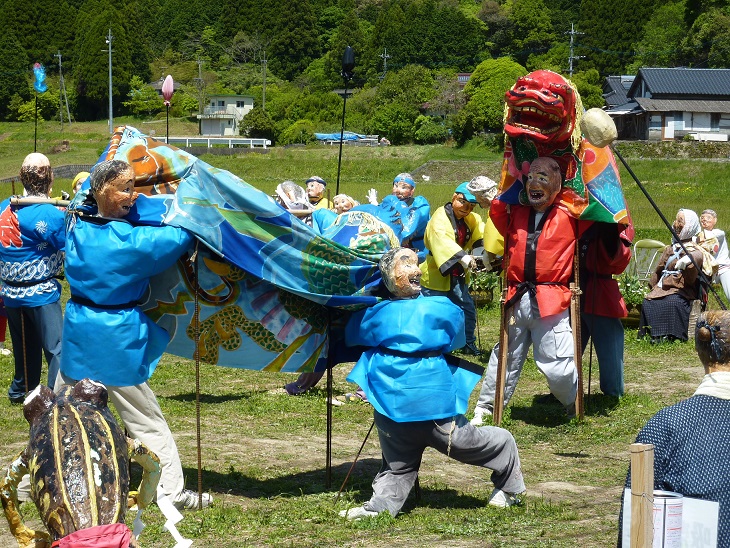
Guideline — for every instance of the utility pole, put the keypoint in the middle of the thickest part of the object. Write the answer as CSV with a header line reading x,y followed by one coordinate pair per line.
x,y
384,56
573,33
263,95
62,94
109,39
199,84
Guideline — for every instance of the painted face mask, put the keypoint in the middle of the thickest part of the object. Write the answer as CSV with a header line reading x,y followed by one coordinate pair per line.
x,y
402,276
543,183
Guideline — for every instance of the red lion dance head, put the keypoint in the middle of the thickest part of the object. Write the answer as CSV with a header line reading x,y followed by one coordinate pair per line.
x,y
545,108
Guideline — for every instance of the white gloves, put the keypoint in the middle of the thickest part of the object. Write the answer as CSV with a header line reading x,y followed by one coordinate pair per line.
x,y
372,196
468,262
682,263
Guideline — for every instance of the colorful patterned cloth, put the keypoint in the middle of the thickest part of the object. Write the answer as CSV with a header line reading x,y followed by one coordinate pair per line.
x,y
265,279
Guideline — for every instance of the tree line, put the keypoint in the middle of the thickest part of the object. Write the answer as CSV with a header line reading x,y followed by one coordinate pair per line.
x,y
287,54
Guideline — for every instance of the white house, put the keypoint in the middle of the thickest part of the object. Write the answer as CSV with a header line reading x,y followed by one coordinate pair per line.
x,y
224,113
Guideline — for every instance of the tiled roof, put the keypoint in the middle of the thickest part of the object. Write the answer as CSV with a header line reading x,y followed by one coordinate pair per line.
x,y
615,90
683,81
683,105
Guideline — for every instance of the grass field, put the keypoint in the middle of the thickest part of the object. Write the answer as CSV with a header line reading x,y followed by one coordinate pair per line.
x,y
263,453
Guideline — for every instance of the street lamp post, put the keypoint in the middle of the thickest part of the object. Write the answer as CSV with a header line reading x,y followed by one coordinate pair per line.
x,y
109,39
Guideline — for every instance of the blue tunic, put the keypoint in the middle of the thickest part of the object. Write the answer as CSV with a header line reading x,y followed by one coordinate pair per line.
x,y
692,453
405,374
414,214
33,239
111,264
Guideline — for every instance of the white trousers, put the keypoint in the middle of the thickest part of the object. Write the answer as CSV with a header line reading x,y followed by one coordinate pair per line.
x,y
552,341
142,417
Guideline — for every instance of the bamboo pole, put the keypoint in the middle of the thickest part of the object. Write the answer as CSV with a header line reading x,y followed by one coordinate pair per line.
x,y
642,495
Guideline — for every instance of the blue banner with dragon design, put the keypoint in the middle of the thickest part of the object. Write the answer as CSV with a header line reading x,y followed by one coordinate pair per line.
x,y
266,284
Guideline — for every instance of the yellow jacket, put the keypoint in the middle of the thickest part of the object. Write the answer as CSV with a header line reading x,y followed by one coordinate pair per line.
x,y
444,253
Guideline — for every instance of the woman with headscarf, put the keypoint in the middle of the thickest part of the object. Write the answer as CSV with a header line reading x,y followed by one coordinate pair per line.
x,y
674,284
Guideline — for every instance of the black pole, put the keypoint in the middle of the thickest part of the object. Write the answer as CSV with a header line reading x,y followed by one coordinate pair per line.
x,y
669,226
35,133
348,65
167,132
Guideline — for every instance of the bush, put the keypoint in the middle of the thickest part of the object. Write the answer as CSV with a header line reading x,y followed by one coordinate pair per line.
x,y
300,132
257,124
429,130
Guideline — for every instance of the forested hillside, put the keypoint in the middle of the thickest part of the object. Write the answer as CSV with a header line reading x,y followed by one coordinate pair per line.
x,y
287,55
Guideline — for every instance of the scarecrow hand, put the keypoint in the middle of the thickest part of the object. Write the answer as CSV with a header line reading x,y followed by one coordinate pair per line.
x,y
372,196
682,263
468,262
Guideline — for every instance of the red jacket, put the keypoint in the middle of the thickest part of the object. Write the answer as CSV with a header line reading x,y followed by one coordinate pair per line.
x,y
605,250
547,266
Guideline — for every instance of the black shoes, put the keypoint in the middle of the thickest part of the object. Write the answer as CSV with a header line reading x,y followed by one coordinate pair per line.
x,y
17,399
470,349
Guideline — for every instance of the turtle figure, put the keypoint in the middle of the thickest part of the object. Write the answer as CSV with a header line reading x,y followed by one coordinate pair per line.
x,y
77,461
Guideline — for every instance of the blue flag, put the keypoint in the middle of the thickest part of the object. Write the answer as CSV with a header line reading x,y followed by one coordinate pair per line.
x,y
40,78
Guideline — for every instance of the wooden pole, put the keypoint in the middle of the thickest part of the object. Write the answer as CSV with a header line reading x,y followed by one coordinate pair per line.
x,y
642,495
501,360
505,317
575,326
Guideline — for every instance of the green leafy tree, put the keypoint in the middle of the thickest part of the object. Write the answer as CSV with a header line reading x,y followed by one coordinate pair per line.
x,y
142,98
300,132
257,124
499,27
14,71
91,71
394,121
660,37
532,28
429,130
610,31
708,43
484,110
294,43
590,87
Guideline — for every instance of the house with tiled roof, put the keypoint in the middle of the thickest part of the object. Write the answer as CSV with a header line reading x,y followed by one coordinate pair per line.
x,y
670,103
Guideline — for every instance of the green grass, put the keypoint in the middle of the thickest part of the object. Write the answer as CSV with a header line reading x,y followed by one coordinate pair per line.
x,y
263,453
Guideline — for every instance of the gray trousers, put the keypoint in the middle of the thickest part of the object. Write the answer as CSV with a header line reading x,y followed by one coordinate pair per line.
x,y
552,347
403,444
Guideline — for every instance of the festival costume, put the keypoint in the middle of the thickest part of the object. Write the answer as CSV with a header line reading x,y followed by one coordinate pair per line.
x,y
692,447
419,398
414,215
108,267
442,272
665,310
539,293
605,250
723,260
31,257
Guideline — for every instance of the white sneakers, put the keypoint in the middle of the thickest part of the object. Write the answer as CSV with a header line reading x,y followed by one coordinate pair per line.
x,y
5,351
188,500
357,513
479,414
502,499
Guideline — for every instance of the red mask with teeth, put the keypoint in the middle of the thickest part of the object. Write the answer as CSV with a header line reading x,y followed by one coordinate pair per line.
x,y
541,107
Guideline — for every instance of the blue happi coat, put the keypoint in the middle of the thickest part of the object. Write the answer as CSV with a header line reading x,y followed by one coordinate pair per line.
x,y
404,374
110,265
32,239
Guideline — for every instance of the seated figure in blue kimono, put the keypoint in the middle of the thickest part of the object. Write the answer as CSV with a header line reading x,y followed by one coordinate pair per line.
x,y
418,395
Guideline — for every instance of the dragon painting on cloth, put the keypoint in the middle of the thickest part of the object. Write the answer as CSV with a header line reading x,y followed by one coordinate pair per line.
x,y
266,285
77,458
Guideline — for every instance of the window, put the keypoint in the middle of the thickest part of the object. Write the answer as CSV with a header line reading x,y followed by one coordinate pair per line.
x,y
240,104
715,121
655,121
